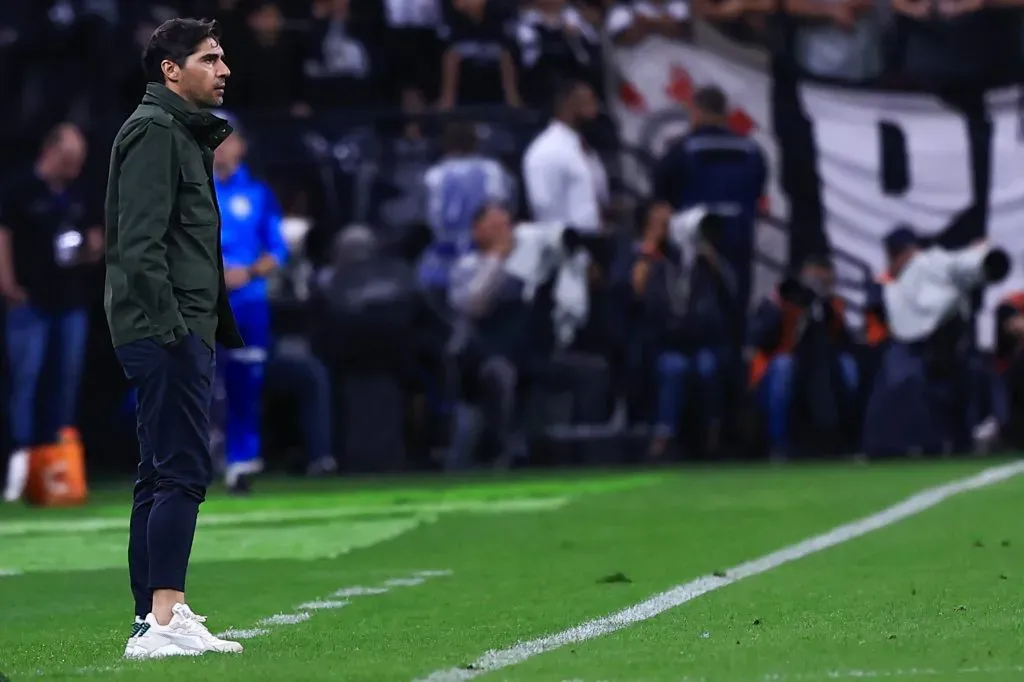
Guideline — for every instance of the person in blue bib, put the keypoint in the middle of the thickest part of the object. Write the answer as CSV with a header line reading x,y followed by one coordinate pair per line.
x,y
253,249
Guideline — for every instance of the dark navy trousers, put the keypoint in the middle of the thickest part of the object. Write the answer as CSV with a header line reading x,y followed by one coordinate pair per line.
x,y
174,386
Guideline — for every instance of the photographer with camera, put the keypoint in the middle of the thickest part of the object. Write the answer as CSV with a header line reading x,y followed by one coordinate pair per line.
x,y
492,338
689,316
802,359
926,394
504,335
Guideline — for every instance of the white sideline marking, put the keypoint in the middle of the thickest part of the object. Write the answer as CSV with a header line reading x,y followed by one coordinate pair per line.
x,y
358,591
405,582
305,611
318,605
9,572
243,634
285,619
680,594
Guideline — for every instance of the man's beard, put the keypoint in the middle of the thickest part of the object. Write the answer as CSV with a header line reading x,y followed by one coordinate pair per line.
x,y
206,100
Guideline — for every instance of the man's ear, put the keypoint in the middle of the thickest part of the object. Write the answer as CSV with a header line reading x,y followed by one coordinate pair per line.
x,y
171,71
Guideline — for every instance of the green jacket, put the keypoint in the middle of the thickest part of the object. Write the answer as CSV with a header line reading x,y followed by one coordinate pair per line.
x,y
165,270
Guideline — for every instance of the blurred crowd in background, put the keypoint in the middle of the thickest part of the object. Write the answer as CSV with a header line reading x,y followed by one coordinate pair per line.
x,y
468,262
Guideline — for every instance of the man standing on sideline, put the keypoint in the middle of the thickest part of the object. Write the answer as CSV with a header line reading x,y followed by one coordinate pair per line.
x,y
253,248
167,306
46,236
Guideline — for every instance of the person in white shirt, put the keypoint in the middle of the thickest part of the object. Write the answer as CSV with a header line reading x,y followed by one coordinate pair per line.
x,y
565,180
924,398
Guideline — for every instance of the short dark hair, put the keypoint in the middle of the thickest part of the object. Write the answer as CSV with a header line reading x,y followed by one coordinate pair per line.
x,y
176,39
711,100
459,138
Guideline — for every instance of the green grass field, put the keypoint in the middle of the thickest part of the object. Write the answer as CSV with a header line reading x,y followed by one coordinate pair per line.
x,y
417,580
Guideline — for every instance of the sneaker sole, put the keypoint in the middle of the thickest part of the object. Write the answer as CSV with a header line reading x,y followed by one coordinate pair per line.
x,y
141,653
138,653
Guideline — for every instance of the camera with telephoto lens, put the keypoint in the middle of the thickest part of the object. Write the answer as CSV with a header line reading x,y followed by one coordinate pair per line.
x,y
598,246
792,290
711,228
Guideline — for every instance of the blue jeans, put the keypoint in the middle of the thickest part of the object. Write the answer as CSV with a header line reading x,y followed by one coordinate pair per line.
x,y
673,372
36,338
775,394
242,371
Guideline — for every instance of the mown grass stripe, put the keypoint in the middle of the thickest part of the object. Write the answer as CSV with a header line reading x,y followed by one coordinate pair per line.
x,y
92,525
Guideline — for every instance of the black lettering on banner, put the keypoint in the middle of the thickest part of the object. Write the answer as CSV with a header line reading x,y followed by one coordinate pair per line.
x,y
972,223
969,223
904,179
895,162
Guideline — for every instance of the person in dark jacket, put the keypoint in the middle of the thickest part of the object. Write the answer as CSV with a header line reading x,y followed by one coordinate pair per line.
x,y
802,355
48,243
718,168
369,308
167,306
380,340
690,316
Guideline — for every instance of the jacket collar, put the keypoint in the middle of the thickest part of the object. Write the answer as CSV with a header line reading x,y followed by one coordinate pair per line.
x,y
204,126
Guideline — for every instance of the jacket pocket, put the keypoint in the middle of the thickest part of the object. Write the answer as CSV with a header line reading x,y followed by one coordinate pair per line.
x,y
196,201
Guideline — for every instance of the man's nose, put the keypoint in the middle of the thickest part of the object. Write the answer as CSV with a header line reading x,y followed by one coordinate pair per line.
x,y
224,70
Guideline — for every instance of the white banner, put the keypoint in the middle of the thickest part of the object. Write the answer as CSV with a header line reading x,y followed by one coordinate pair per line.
x,y
658,76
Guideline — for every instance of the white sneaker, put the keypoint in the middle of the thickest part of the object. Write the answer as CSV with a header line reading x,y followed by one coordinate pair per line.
x,y
17,476
185,635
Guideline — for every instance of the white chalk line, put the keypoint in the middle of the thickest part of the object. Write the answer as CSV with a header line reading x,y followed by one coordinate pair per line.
x,y
322,605
304,611
358,591
683,593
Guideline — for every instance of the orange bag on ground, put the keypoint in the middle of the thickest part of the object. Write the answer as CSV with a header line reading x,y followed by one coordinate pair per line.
x,y
56,475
